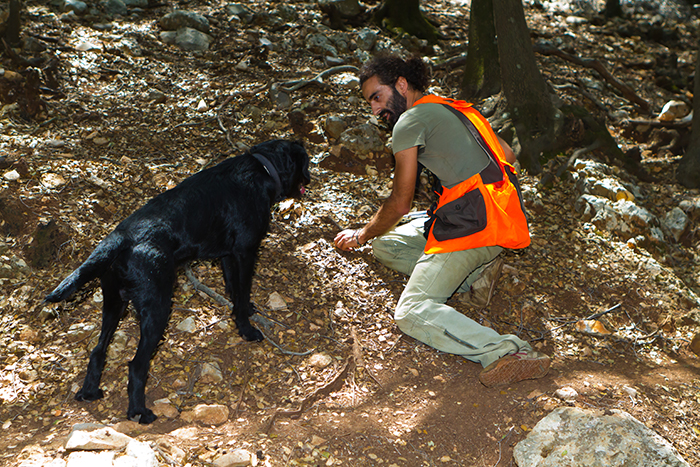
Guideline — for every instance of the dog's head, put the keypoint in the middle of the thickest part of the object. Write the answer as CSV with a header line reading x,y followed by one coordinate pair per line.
x,y
292,163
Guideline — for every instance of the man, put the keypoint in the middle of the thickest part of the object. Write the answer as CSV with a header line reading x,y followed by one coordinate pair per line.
x,y
478,214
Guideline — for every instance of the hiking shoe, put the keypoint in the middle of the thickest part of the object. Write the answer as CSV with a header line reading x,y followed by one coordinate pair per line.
x,y
526,364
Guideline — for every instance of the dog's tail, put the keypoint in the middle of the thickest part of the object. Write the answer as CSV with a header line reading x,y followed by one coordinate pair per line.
x,y
97,264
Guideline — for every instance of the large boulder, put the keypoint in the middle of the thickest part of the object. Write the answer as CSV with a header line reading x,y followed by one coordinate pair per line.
x,y
571,436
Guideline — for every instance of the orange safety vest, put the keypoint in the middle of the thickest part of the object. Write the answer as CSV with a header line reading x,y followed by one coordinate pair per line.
x,y
484,210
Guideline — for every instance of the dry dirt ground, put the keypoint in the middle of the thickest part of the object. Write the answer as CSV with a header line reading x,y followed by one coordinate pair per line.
x,y
382,398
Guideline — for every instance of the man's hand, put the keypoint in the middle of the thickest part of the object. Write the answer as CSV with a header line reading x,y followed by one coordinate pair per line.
x,y
347,240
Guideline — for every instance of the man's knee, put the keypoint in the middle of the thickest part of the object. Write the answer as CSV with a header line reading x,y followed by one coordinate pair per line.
x,y
382,249
405,316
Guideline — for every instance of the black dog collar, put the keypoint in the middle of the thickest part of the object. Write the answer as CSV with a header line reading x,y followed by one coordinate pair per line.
x,y
271,171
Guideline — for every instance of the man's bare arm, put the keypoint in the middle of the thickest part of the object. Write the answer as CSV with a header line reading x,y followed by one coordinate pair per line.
x,y
393,208
510,155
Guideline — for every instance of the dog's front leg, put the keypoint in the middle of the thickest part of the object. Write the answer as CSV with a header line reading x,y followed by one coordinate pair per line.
x,y
238,275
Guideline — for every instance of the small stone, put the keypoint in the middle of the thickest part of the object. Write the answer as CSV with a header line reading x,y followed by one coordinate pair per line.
x,y
90,459
566,394
629,391
317,441
320,360
11,176
187,325
75,5
138,454
52,180
100,439
674,110
165,408
207,414
334,126
340,310
211,373
157,97
276,302
79,331
172,451
97,297
237,458
202,106
130,427
695,344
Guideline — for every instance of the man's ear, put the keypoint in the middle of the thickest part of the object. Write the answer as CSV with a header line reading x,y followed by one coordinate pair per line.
x,y
402,86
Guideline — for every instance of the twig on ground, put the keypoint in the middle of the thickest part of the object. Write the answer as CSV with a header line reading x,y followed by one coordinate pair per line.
x,y
201,122
581,89
681,123
578,153
221,300
221,125
452,62
242,393
291,86
395,344
199,286
593,316
599,314
499,446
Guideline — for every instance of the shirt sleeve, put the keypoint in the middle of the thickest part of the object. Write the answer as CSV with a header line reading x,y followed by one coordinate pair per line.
x,y
408,132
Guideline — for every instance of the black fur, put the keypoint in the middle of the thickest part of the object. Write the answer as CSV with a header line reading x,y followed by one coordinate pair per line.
x,y
221,212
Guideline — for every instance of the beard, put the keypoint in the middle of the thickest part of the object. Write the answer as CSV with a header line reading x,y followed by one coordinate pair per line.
x,y
394,108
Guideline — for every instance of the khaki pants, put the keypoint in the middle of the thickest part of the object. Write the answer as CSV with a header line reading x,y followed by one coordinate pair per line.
x,y
422,313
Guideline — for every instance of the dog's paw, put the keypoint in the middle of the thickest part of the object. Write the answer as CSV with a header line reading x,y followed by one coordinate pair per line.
x,y
252,334
144,416
87,396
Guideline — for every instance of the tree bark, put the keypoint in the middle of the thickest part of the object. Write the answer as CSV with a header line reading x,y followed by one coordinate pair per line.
x,y
405,15
612,8
482,72
13,23
535,118
688,173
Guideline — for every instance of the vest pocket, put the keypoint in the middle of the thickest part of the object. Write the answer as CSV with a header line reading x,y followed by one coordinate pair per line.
x,y
462,217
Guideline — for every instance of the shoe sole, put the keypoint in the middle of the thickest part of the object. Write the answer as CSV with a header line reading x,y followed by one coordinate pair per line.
x,y
509,370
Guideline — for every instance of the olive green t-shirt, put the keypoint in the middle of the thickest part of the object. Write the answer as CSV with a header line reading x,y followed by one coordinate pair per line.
x,y
445,146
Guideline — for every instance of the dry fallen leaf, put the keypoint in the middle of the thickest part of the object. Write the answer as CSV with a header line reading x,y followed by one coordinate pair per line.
x,y
593,327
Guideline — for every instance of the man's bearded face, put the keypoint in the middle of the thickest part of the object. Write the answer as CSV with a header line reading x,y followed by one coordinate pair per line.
x,y
394,108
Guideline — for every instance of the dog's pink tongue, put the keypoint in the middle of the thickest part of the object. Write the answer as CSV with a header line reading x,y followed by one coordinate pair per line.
x,y
302,190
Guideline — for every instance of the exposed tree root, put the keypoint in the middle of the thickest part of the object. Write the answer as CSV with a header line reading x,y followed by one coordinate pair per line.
x,y
335,384
626,91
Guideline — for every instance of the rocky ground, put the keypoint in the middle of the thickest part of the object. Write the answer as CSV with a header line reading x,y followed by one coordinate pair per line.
x,y
123,115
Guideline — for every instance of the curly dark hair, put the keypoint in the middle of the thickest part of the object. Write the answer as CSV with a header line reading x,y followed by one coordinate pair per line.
x,y
388,68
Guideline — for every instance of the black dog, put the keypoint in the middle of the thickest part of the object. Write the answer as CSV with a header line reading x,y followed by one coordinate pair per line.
x,y
221,212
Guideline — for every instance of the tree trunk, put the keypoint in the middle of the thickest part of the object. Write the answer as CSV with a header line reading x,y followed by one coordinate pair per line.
x,y
482,72
405,15
13,24
535,119
688,173
612,8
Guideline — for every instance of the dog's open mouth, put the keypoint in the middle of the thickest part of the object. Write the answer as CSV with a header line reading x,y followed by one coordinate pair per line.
x,y
302,190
